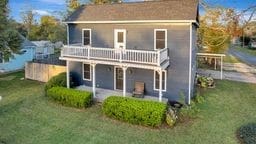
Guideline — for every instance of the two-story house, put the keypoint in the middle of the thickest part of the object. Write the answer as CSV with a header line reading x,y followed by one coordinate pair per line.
x,y
112,46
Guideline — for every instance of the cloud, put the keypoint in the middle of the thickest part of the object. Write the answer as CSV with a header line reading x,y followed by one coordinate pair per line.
x,y
57,2
41,12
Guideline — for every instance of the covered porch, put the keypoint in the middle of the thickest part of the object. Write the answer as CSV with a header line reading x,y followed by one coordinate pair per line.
x,y
101,94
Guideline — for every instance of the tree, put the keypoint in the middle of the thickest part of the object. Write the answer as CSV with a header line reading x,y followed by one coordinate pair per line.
x,y
48,29
105,1
216,29
28,19
10,40
238,21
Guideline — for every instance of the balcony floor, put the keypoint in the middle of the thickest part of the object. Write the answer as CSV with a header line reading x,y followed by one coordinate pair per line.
x,y
102,94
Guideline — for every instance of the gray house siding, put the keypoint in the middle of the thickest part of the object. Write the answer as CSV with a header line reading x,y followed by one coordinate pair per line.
x,y
193,62
140,37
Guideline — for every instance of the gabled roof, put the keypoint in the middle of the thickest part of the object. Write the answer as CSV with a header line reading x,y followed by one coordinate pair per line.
x,y
26,43
149,10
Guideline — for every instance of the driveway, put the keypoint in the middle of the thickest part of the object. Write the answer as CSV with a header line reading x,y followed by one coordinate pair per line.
x,y
246,58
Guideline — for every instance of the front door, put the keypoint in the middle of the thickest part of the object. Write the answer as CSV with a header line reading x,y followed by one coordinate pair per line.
x,y
119,78
120,39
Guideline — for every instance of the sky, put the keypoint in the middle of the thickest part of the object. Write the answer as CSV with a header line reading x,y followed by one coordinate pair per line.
x,y
54,7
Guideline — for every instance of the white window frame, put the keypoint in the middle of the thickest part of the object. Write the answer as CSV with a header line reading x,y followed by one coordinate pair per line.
x,y
165,82
90,30
116,36
90,72
155,30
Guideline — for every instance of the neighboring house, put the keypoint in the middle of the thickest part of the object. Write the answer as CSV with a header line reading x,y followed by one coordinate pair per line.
x,y
18,61
43,49
112,46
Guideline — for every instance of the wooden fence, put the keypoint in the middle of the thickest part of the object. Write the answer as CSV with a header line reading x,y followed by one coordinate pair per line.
x,y
42,72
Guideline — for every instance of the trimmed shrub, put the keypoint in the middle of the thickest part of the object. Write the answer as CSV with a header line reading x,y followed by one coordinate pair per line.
x,y
60,80
135,111
247,134
70,97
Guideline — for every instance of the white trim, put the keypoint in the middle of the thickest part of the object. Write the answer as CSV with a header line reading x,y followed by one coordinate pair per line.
x,y
90,72
155,30
165,81
90,30
67,74
190,63
136,21
116,37
143,66
211,54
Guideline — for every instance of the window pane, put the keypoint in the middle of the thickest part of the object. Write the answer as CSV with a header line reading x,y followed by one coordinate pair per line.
x,y
86,33
120,36
87,73
86,41
160,35
160,44
160,39
86,37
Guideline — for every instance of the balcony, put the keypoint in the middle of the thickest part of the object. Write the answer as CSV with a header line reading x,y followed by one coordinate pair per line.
x,y
154,58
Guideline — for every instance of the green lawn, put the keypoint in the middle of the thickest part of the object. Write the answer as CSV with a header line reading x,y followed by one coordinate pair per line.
x,y
26,116
231,59
246,50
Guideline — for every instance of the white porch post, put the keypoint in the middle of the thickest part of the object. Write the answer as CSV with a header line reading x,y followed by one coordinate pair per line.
x,y
67,69
160,85
124,81
93,80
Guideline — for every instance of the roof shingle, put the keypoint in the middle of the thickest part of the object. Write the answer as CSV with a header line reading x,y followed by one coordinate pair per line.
x,y
150,10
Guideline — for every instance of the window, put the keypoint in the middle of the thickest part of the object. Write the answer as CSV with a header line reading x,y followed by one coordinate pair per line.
x,y
160,36
87,72
120,37
156,80
86,36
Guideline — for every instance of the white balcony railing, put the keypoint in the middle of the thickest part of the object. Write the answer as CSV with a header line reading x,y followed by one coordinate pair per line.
x,y
120,55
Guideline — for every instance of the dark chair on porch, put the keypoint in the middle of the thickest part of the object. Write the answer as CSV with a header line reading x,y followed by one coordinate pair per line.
x,y
139,88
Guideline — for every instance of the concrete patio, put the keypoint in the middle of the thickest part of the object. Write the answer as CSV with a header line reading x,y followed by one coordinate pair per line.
x,y
102,94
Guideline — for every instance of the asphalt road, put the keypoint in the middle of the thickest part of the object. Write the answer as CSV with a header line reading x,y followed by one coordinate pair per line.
x,y
248,59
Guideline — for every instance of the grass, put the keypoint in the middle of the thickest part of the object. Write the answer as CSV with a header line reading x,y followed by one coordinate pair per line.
x,y
26,116
246,50
231,59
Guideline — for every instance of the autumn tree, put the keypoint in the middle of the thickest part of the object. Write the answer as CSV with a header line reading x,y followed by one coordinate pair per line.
x,y
216,29
10,40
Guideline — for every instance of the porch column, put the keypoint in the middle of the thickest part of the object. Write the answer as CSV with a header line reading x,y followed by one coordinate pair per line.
x,y
160,85
67,71
93,80
124,81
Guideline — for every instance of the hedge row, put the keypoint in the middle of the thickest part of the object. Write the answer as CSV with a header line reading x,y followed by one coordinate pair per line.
x,y
60,80
135,111
70,97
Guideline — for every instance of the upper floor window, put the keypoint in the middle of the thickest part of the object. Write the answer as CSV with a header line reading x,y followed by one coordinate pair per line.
x,y
86,36
160,38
